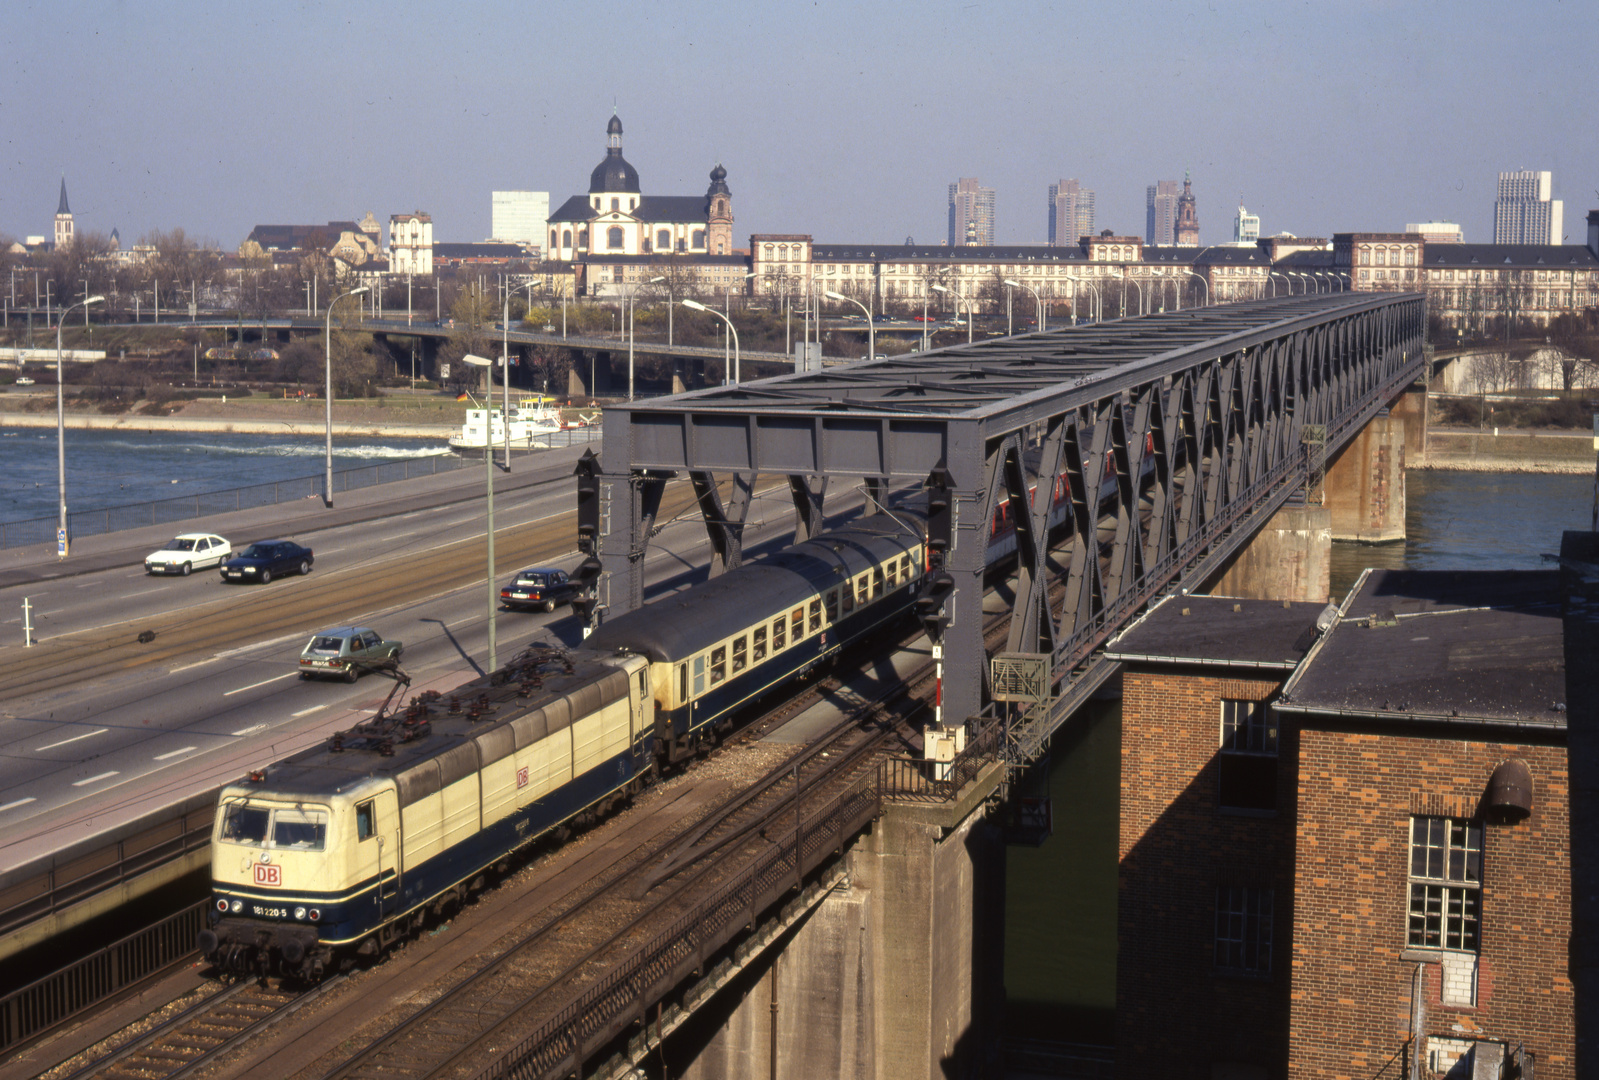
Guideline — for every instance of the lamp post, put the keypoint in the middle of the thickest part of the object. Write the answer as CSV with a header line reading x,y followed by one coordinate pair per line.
x,y
327,392
871,327
505,376
488,494
959,299
1203,282
1273,284
1037,300
695,305
61,434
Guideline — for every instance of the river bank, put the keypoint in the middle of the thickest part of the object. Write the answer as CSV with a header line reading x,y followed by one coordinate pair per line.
x,y
1507,451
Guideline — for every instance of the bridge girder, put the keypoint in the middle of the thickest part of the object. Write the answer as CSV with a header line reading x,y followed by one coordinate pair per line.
x,y
1170,438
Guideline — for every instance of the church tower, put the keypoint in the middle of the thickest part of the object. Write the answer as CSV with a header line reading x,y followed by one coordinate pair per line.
x,y
1187,215
64,232
719,214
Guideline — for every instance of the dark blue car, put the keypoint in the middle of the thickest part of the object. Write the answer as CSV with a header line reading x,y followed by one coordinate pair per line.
x,y
267,559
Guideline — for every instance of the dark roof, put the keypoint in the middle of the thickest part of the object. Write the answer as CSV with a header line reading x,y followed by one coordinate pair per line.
x,y
613,174
1562,255
1229,255
1306,260
654,208
684,259
61,207
945,253
482,250
1220,630
1453,646
287,237
576,208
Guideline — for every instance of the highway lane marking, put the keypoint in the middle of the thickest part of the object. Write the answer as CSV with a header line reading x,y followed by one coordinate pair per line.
x,y
175,753
331,551
75,738
251,730
307,712
226,653
263,682
17,803
147,592
402,536
94,779
197,663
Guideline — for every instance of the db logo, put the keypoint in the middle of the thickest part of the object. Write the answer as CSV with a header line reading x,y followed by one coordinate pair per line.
x,y
521,777
268,875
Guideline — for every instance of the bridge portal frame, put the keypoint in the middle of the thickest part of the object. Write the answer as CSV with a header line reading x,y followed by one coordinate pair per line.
x,y
1188,426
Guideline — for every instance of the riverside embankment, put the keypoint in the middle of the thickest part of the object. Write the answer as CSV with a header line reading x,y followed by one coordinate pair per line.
x,y
1508,450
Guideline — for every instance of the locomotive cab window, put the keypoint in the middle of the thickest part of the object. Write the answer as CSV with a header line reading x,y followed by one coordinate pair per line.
x,y
244,824
364,827
740,653
718,664
699,675
305,830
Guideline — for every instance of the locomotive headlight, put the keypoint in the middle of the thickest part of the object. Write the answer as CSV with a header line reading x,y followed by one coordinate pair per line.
x,y
238,906
299,913
315,915
222,905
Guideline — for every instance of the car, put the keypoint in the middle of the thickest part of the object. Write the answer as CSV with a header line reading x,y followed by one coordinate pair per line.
x,y
538,587
188,551
24,381
345,651
266,559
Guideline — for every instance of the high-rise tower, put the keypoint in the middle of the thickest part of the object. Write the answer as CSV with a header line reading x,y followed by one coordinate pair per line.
x,y
971,214
1071,213
64,227
1524,213
1160,214
1187,229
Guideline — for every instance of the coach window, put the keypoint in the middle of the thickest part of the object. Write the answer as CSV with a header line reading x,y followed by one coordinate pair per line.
x,y
848,597
758,644
363,820
718,664
796,620
831,598
877,582
816,615
779,633
905,567
741,653
890,569
862,585
699,675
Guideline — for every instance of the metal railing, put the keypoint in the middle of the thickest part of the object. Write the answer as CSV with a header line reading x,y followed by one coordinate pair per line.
x,y
908,779
83,523
34,1009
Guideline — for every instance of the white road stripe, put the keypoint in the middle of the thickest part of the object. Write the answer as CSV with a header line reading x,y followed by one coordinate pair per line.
x,y
17,803
401,536
94,779
251,730
175,753
307,712
75,738
197,663
263,682
259,645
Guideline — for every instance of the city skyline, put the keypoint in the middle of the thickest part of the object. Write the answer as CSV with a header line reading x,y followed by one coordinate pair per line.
x,y
147,143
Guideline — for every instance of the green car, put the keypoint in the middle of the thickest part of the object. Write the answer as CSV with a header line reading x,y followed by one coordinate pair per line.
x,y
345,651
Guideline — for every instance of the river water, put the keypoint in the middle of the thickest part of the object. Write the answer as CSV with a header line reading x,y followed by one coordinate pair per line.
x,y
115,468
1060,925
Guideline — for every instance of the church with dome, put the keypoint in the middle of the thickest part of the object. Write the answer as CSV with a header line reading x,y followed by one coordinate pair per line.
x,y
616,232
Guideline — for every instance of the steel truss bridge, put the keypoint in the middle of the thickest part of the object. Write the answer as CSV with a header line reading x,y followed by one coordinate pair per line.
x,y
1176,435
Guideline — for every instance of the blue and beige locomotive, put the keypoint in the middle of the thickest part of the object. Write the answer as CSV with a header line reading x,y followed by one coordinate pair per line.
x,y
341,849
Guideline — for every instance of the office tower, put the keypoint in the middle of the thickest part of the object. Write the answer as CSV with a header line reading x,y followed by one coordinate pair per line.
x,y
1524,213
520,217
971,214
1437,232
1071,213
1160,218
1246,226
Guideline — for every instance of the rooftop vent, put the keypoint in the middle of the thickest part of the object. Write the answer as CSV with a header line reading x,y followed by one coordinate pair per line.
x,y
1509,796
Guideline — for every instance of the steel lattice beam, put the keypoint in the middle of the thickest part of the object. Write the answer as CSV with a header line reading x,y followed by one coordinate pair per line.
x,y
1175,437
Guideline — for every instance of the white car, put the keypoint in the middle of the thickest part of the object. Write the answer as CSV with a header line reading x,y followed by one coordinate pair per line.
x,y
24,381
190,551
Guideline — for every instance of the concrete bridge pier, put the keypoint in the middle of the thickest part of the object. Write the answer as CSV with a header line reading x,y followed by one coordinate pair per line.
x,y
1365,488
590,374
1289,559
897,975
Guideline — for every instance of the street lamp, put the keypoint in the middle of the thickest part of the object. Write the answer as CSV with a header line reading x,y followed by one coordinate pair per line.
x,y
1038,300
959,299
327,393
695,305
871,327
1273,284
1203,282
488,491
61,434
1098,309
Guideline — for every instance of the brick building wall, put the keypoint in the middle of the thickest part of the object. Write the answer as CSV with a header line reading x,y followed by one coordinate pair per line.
x,y
1177,1013
1352,971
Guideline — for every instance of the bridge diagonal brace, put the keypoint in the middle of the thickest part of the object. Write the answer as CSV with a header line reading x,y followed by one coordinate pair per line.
x,y
1032,629
809,494
724,526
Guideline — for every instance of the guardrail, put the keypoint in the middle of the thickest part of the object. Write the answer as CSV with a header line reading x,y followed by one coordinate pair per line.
x,y
918,780
30,1012
82,523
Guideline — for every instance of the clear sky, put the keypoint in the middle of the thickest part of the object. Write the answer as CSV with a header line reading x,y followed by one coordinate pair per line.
x,y
843,120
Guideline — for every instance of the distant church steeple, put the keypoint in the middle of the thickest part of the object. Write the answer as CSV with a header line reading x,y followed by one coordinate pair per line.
x,y
64,229
1187,229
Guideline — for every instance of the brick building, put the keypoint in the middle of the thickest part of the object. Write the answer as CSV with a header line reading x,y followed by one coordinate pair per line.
x,y
1357,869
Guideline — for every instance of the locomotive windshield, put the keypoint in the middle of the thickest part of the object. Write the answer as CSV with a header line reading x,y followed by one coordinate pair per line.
x,y
295,828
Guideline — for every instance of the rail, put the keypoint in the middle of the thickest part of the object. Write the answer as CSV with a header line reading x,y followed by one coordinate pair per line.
x,y
188,507
29,1012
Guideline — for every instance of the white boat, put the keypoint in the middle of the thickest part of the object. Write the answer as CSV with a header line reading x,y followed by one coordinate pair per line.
x,y
530,420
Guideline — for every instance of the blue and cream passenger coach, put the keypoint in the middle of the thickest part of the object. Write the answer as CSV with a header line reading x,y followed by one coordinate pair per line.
x,y
344,847
725,643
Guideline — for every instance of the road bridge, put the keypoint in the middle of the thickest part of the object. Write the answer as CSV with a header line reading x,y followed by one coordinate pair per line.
x,y
1194,427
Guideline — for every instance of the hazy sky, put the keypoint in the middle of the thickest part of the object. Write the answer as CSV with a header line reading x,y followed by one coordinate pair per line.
x,y
843,120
